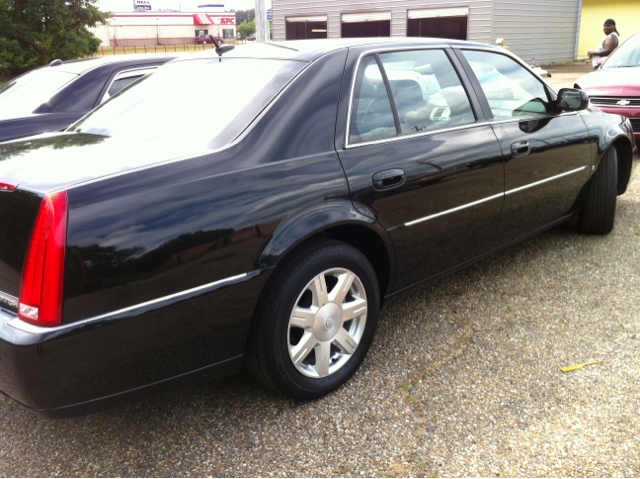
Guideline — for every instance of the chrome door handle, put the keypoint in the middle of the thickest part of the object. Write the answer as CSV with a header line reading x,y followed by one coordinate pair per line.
x,y
387,179
521,148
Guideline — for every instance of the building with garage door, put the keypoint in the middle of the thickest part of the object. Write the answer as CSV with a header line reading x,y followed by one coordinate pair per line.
x,y
544,29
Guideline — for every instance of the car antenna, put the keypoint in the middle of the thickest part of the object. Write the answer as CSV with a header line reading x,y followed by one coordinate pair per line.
x,y
221,49
55,62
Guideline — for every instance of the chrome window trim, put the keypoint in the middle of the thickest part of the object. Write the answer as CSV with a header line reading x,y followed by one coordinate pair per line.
x,y
493,197
8,299
417,135
142,307
532,118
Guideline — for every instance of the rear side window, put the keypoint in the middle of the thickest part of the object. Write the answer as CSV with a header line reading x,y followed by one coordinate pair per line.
x,y
427,91
120,83
511,90
371,114
193,104
24,94
124,79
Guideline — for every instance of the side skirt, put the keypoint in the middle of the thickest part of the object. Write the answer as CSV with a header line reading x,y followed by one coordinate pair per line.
x,y
402,292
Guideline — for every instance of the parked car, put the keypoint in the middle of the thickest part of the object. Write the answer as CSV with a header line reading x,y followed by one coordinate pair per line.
x,y
52,97
615,86
144,250
206,40
252,37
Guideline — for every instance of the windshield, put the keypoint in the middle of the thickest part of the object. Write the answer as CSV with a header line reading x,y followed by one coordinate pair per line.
x,y
628,55
196,104
24,94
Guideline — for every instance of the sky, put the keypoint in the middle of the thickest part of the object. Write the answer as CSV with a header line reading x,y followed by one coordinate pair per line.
x,y
187,5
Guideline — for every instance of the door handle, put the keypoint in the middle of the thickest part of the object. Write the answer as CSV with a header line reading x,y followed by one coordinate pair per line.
x,y
387,179
521,148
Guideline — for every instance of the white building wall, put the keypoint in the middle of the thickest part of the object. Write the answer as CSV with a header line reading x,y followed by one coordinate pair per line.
x,y
132,28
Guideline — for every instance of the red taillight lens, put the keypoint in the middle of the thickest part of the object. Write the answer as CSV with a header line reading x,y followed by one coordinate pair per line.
x,y
41,288
7,185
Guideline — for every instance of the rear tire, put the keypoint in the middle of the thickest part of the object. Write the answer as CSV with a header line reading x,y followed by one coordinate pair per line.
x,y
316,321
599,210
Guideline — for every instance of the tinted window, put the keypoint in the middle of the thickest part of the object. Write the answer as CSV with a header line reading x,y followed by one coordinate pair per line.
x,y
427,91
512,90
24,94
120,83
371,114
195,104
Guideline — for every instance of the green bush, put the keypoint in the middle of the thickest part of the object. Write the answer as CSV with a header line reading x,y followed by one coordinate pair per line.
x,y
35,32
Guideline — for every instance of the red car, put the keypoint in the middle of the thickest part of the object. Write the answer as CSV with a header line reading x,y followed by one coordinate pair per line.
x,y
206,39
615,86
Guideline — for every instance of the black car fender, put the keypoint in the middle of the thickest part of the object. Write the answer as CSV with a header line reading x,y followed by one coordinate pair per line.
x,y
337,219
615,131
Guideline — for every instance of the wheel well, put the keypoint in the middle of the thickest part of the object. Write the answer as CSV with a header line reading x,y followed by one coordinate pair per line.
x,y
625,158
369,244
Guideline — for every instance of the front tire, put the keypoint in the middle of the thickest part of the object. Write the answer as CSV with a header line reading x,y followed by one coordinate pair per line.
x,y
599,210
316,321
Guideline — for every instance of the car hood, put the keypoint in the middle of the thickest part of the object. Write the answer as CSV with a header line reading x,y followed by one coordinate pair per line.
x,y
612,82
50,162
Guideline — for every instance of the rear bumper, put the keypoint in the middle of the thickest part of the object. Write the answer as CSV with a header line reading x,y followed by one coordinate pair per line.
x,y
87,366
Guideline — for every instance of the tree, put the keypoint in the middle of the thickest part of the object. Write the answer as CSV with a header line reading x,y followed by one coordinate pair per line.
x,y
242,15
35,32
245,29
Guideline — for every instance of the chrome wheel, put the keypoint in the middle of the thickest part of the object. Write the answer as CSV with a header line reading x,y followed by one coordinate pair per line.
x,y
327,323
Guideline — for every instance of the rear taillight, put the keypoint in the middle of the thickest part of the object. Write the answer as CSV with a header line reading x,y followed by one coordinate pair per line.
x,y
7,185
41,287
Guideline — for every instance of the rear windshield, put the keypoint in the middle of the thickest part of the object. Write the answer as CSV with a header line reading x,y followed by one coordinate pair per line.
x,y
628,55
24,94
200,103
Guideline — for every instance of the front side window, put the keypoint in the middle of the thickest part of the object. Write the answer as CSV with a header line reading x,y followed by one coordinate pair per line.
x,y
162,107
371,114
427,91
511,90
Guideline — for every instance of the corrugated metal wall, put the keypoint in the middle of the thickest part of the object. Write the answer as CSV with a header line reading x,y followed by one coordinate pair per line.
x,y
545,29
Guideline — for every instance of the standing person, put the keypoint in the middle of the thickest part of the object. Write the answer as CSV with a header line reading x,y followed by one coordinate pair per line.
x,y
608,43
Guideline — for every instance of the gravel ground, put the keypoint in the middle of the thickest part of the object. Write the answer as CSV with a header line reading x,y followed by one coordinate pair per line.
x,y
564,75
463,379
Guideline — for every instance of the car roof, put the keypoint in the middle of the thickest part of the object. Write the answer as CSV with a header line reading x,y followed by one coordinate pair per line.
x,y
309,50
82,65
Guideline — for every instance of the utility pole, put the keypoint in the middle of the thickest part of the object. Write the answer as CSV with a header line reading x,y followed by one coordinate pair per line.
x,y
262,29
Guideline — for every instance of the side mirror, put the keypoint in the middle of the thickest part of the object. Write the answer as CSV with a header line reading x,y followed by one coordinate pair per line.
x,y
570,99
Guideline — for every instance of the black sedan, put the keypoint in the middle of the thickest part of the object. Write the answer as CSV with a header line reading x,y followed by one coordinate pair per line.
x,y
52,97
143,250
